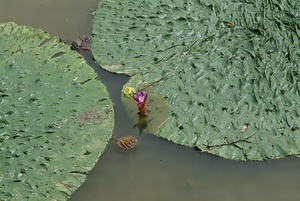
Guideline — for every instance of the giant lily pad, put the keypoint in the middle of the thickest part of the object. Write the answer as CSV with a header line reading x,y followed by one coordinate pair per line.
x,y
229,69
55,116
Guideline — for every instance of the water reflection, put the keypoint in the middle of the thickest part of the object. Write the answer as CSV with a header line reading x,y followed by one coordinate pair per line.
x,y
157,169
142,124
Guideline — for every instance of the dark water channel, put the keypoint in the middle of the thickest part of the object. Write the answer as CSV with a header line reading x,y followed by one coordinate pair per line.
x,y
157,169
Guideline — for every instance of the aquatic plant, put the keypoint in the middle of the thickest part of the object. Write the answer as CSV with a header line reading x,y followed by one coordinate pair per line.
x,y
141,99
126,143
158,106
229,69
128,91
55,117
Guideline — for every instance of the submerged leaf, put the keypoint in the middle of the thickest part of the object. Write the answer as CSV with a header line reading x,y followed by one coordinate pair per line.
x,y
219,64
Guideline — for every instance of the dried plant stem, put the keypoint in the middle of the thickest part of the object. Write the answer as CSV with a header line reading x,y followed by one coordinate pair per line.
x,y
210,147
151,83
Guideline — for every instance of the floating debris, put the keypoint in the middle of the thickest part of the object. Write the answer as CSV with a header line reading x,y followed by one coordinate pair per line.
x,y
127,142
83,43
244,128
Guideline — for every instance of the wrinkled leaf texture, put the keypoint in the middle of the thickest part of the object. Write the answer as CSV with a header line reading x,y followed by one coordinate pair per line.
x,y
45,91
224,66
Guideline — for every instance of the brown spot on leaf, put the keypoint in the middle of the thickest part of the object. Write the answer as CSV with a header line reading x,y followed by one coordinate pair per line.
x,y
87,116
229,25
244,128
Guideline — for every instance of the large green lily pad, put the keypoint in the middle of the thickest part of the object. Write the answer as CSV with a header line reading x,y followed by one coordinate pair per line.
x,y
55,116
229,69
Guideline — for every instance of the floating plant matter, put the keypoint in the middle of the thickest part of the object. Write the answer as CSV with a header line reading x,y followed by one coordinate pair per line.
x,y
83,43
128,91
127,142
139,97
154,106
227,68
52,126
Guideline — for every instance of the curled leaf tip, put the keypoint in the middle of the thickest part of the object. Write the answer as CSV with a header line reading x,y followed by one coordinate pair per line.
x,y
128,91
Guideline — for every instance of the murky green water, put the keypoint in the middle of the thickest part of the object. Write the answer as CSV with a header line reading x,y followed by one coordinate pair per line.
x,y
157,169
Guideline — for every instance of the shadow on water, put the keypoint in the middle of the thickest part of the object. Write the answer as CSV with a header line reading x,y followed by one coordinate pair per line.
x,y
156,169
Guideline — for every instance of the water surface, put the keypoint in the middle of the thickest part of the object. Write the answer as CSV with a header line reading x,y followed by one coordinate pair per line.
x,y
156,169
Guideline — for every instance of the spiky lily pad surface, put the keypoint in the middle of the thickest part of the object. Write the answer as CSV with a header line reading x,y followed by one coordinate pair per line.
x,y
55,116
229,69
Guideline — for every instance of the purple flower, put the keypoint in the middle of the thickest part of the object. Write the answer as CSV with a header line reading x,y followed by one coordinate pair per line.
x,y
140,98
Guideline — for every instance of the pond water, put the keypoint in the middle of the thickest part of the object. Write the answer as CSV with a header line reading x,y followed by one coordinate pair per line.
x,y
156,169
